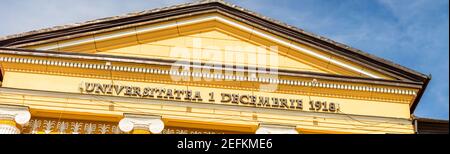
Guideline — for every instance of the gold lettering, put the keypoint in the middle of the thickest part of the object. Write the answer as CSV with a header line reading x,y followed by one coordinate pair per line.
x,y
137,91
211,97
169,94
252,100
299,104
197,96
275,102
263,101
160,92
146,92
235,98
296,103
178,94
225,98
89,87
118,89
244,99
188,95
99,89
107,88
128,91
283,102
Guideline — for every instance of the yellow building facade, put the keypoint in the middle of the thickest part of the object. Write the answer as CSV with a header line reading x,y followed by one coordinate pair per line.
x,y
204,67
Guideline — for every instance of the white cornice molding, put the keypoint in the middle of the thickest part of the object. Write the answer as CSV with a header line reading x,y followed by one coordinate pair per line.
x,y
250,78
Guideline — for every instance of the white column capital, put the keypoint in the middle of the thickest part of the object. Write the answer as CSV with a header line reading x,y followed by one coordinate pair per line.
x,y
20,114
152,123
276,129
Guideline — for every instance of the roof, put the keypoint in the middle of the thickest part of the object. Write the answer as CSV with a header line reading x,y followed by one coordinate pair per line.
x,y
431,126
242,14
420,119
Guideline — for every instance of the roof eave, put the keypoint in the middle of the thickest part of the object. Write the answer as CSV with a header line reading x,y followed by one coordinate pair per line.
x,y
420,94
125,59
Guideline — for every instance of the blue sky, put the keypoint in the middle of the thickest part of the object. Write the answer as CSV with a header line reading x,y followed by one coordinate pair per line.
x,y
413,33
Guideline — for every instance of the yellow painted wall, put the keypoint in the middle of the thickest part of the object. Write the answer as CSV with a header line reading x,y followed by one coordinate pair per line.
x,y
160,45
217,119
72,84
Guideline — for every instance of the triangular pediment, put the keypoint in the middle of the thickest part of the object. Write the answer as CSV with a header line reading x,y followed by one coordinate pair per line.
x,y
213,39
214,46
